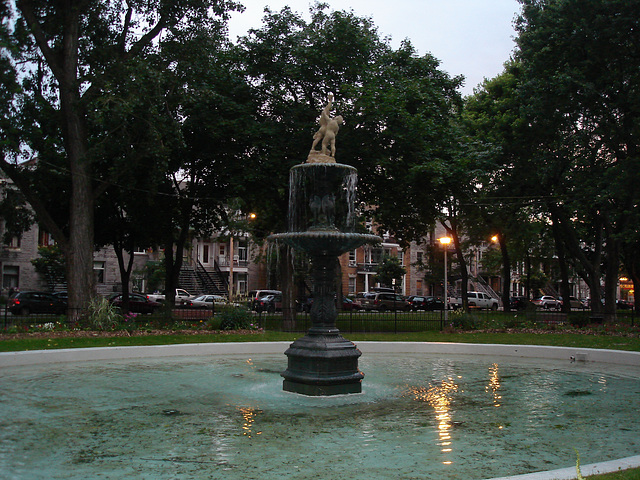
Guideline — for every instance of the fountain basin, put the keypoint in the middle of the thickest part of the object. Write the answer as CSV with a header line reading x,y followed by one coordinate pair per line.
x,y
226,396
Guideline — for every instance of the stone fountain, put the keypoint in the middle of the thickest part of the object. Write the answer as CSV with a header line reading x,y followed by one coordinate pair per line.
x,y
322,223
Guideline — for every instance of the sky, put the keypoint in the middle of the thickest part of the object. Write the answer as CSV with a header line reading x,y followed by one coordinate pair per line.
x,y
472,38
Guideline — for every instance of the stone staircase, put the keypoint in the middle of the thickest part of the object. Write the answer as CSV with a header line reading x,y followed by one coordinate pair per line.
x,y
198,280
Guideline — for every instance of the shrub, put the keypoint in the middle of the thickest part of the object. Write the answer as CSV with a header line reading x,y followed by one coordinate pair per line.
x,y
465,321
102,315
236,319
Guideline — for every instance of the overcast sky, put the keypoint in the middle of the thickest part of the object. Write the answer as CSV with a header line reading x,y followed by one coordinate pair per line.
x,y
470,37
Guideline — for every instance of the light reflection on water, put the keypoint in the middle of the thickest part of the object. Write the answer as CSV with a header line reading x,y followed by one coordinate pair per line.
x,y
418,416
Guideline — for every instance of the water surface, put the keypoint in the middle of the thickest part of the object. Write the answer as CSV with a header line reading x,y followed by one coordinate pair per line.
x,y
419,416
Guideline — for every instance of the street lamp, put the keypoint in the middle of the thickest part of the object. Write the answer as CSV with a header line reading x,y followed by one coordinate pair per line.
x,y
445,241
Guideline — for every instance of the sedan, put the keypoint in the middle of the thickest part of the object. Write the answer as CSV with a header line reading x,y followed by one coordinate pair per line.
x,y
137,303
349,304
206,301
574,303
518,303
24,303
547,302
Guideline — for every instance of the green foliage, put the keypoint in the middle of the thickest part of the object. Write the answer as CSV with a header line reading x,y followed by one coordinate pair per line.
x,y
101,315
155,274
51,265
390,271
464,321
237,319
17,216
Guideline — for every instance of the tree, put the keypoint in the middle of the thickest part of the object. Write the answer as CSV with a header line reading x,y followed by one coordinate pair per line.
x,y
390,271
494,129
579,95
292,66
72,54
51,265
397,108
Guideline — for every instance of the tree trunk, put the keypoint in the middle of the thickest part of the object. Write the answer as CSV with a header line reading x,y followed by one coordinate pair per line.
x,y
125,273
588,267
506,272
562,264
612,265
452,231
631,261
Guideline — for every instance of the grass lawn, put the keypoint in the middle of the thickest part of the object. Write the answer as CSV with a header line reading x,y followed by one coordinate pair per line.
x,y
584,339
96,339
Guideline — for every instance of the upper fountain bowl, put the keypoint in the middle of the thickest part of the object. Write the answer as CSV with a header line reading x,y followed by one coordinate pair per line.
x,y
325,242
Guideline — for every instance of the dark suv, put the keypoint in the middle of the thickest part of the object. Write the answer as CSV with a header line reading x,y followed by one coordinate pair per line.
x,y
384,301
426,303
269,303
24,303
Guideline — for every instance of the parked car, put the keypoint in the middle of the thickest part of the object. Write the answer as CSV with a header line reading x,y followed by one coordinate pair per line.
x,y
206,301
348,305
518,303
256,295
384,301
547,302
181,297
624,305
574,302
24,303
269,303
62,296
475,300
426,303
137,303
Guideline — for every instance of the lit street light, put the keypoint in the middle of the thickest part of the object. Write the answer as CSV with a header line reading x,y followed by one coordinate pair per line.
x,y
445,241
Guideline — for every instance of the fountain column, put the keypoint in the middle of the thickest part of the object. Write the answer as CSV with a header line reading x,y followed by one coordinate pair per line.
x,y
322,223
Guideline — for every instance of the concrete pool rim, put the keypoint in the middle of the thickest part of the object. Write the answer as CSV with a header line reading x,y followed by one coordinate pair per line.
x,y
588,355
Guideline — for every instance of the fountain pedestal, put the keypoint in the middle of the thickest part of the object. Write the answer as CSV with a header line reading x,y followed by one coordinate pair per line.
x,y
323,362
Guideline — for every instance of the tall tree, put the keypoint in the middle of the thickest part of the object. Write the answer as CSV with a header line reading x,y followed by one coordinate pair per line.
x,y
70,54
293,65
579,91
397,108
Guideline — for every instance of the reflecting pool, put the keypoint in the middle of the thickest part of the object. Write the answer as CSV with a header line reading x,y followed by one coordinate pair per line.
x,y
419,416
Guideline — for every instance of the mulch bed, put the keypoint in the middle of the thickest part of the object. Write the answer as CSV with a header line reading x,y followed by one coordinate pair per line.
x,y
119,333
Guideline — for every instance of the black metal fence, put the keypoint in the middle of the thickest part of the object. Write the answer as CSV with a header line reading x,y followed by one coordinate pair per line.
x,y
347,322
359,321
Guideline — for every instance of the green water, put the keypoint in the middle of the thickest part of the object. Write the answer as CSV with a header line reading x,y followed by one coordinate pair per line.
x,y
419,416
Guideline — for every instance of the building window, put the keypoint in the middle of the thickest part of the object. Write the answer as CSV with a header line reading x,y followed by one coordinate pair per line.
x,y
242,284
98,271
419,257
205,254
14,242
419,287
242,250
401,256
352,285
44,238
10,276
352,258
376,255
